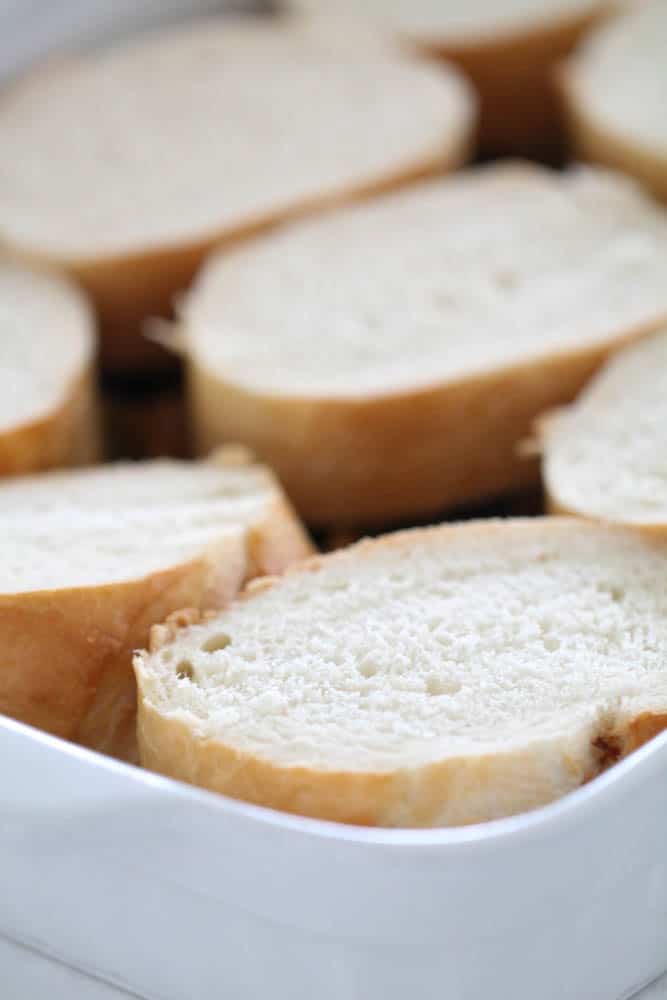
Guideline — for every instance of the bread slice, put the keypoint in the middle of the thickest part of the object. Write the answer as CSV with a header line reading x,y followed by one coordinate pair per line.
x,y
614,90
47,397
387,359
434,677
604,456
507,48
202,134
92,559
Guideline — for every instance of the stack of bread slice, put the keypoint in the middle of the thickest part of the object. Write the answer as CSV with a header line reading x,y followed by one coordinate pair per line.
x,y
233,126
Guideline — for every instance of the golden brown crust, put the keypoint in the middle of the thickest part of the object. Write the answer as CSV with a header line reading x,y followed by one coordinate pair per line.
x,y
591,141
67,654
453,792
67,436
641,729
387,458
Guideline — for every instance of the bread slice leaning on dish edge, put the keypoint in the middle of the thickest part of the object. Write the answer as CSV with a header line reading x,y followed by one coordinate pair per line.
x,y
387,359
48,412
605,455
439,676
92,559
125,165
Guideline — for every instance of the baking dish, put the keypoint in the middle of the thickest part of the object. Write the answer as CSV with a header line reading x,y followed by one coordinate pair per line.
x,y
172,893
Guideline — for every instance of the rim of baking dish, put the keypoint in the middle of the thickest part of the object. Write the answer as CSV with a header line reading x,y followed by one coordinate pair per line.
x,y
561,814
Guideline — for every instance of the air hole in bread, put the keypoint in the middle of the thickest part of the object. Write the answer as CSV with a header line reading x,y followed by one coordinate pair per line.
x,y
216,643
333,586
185,671
506,279
616,593
367,668
436,685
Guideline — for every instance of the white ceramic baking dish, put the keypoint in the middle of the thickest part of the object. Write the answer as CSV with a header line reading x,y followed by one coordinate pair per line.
x,y
114,882
175,894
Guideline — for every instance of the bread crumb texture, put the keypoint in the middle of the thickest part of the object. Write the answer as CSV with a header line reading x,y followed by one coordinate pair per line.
x,y
454,674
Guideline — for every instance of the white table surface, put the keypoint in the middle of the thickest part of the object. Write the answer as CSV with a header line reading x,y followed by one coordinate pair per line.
x,y
27,976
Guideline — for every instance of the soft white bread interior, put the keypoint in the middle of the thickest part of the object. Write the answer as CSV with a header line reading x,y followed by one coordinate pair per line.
x,y
47,395
614,89
439,676
507,48
125,165
386,359
92,559
605,455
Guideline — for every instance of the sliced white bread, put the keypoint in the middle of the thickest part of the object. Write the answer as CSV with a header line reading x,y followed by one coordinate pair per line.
x,y
439,676
127,165
387,359
605,456
615,92
92,559
48,415
507,48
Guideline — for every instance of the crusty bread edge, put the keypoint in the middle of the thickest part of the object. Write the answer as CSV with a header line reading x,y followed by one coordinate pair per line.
x,y
455,792
71,649
67,432
452,792
409,454
68,435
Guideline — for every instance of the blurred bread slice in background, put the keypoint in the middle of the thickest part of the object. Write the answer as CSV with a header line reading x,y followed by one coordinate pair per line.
x,y
605,456
48,411
92,559
126,165
615,92
507,48
386,360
